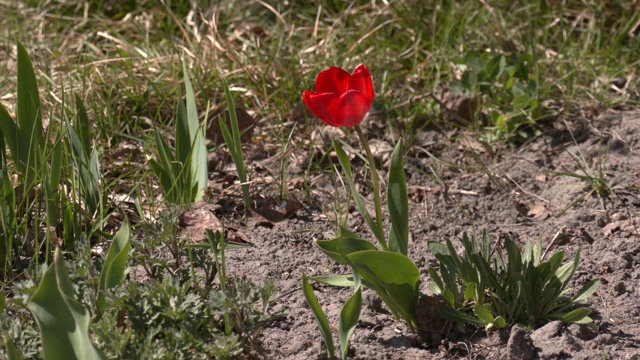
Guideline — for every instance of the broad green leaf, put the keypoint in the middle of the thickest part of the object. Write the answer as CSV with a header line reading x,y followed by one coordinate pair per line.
x,y
585,292
398,204
346,167
396,275
115,264
470,293
576,315
63,321
319,314
483,314
335,280
333,248
349,316
499,322
565,273
436,248
449,297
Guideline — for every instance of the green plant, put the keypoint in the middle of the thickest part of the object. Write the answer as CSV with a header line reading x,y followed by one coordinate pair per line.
x,y
184,173
507,89
596,178
483,287
343,99
234,144
63,321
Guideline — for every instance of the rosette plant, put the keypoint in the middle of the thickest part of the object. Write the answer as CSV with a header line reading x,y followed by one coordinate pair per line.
x,y
343,100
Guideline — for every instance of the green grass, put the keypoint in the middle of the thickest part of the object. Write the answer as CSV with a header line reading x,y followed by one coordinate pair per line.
x,y
123,59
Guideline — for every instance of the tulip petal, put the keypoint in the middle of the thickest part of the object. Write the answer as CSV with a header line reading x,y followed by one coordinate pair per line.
x,y
351,109
361,81
333,80
323,106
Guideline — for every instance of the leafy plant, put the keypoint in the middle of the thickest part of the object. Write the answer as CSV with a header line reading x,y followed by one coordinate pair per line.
x,y
482,287
63,321
507,88
343,100
183,173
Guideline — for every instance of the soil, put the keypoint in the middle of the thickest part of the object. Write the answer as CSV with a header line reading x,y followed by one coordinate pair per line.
x,y
514,191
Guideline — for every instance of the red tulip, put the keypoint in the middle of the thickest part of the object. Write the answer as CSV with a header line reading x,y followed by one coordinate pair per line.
x,y
341,99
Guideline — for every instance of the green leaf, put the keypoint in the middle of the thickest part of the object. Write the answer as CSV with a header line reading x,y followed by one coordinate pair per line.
x,y
585,292
398,204
333,248
335,280
436,248
11,351
63,321
521,102
199,165
346,167
576,315
566,271
396,280
499,322
319,314
349,316
234,143
451,314
483,314
115,264
470,293
29,110
437,287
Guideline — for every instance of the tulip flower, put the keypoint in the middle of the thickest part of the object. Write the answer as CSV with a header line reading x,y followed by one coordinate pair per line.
x,y
341,99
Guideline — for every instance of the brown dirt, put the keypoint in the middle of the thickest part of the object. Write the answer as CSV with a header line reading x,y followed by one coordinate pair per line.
x,y
514,192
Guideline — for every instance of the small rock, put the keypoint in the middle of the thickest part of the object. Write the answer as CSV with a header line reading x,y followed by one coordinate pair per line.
x,y
604,339
581,332
548,331
520,345
620,288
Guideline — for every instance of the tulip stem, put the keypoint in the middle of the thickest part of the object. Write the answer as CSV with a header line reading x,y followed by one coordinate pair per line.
x,y
374,178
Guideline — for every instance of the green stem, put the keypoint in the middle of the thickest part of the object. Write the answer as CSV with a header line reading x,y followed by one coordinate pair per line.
x,y
374,178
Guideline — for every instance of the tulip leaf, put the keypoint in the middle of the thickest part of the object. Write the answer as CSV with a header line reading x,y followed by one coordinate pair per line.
x,y
115,264
398,204
335,247
349,316
63,321
335,280
346,167
394,277
12,352
198,163
319,314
